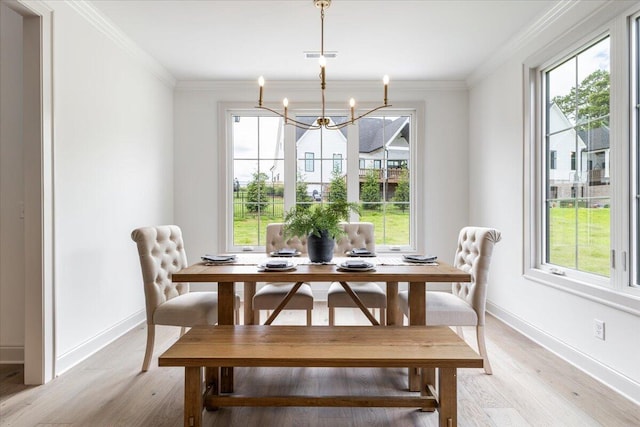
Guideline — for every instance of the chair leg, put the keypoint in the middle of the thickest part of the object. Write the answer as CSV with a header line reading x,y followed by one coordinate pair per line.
x,y
151,335
308,317
460,332
332,316
383,316
482,348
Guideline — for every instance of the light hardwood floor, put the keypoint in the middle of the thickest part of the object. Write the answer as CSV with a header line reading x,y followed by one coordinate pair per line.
x,y
529,387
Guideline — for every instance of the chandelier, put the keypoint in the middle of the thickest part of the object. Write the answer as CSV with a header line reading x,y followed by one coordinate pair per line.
x,y
323,121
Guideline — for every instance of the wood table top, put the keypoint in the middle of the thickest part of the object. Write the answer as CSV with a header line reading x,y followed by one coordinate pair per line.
x,y
442,272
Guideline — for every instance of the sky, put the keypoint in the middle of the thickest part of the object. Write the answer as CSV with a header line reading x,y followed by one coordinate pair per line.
x,y
563,78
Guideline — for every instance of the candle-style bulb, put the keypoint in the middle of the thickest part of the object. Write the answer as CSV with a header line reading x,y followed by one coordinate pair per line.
x,y
352,103
385,80
261,84
322,61
285,102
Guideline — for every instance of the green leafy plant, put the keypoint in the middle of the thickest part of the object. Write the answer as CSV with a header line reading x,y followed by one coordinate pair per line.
x,y
318,218
337,187
257,194
402,194
370,192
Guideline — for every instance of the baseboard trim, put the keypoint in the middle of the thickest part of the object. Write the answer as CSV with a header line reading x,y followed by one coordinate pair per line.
x,y
76,355
10,355
607,376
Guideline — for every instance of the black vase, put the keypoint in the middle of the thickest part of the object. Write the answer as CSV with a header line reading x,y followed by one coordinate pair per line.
x,y
320,249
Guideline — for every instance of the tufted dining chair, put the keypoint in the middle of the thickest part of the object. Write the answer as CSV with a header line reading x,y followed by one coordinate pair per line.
x,y
358,235
161,251
269,296
465,305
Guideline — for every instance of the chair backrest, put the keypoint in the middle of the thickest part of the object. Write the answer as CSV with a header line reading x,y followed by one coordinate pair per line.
x,y
359,235
162,253
473,255
276,240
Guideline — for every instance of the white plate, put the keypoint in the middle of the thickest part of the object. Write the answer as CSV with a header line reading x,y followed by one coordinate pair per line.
x,y
231,261
356,269
412,261
286,255
264,267
346,267
367,255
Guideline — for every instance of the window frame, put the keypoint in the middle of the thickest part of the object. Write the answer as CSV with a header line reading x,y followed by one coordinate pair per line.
x,y
615,291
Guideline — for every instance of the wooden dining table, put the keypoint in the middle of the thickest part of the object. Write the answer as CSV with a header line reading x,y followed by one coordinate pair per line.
x,y
390,270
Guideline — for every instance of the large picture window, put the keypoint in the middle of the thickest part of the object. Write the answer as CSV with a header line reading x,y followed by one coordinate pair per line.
x,y
276,168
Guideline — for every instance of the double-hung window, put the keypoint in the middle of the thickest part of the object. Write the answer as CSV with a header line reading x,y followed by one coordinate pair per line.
x,y
275,167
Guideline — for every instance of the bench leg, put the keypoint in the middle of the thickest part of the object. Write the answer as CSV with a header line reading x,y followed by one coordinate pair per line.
x,y
192,397
447,397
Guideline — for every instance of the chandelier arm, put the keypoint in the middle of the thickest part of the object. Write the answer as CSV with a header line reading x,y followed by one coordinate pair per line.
x,y
290,121
348,122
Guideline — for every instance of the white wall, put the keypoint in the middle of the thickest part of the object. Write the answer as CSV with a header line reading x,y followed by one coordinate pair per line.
x,y
113,171
559,320
198,147
11,189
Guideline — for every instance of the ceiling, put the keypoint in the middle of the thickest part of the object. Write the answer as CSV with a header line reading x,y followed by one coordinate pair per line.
x,y
243,39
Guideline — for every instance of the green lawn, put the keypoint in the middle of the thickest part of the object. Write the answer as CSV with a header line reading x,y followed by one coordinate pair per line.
x,y
579,239
250,228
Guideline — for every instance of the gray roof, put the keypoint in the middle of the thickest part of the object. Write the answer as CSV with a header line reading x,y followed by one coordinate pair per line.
x,y
595,139
374,132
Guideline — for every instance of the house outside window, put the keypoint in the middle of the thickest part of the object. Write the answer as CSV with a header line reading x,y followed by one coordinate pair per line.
x,y
279,167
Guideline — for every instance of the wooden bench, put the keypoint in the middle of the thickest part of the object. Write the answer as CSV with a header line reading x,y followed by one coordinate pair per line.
x,y
322,346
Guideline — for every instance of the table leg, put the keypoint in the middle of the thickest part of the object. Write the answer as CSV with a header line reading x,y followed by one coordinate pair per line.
x,y
192,397
226,300
447,397
249,313
392,304
417,300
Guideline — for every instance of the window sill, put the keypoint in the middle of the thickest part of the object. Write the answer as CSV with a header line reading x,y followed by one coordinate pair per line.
x,y
627,300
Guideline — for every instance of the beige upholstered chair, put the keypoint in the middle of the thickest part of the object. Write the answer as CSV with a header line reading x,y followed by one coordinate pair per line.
x,y
465,305
270,295
359,235
162,253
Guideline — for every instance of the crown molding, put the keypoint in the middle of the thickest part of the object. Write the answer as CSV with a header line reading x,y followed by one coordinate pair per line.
x,y
108,28
412,86
535,30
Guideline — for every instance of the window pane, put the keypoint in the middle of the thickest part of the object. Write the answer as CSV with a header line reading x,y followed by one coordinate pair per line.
x,y
321,160
577,175
257,171
384,179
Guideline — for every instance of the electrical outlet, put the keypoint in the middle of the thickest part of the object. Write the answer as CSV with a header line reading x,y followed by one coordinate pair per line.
x,y
598,329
